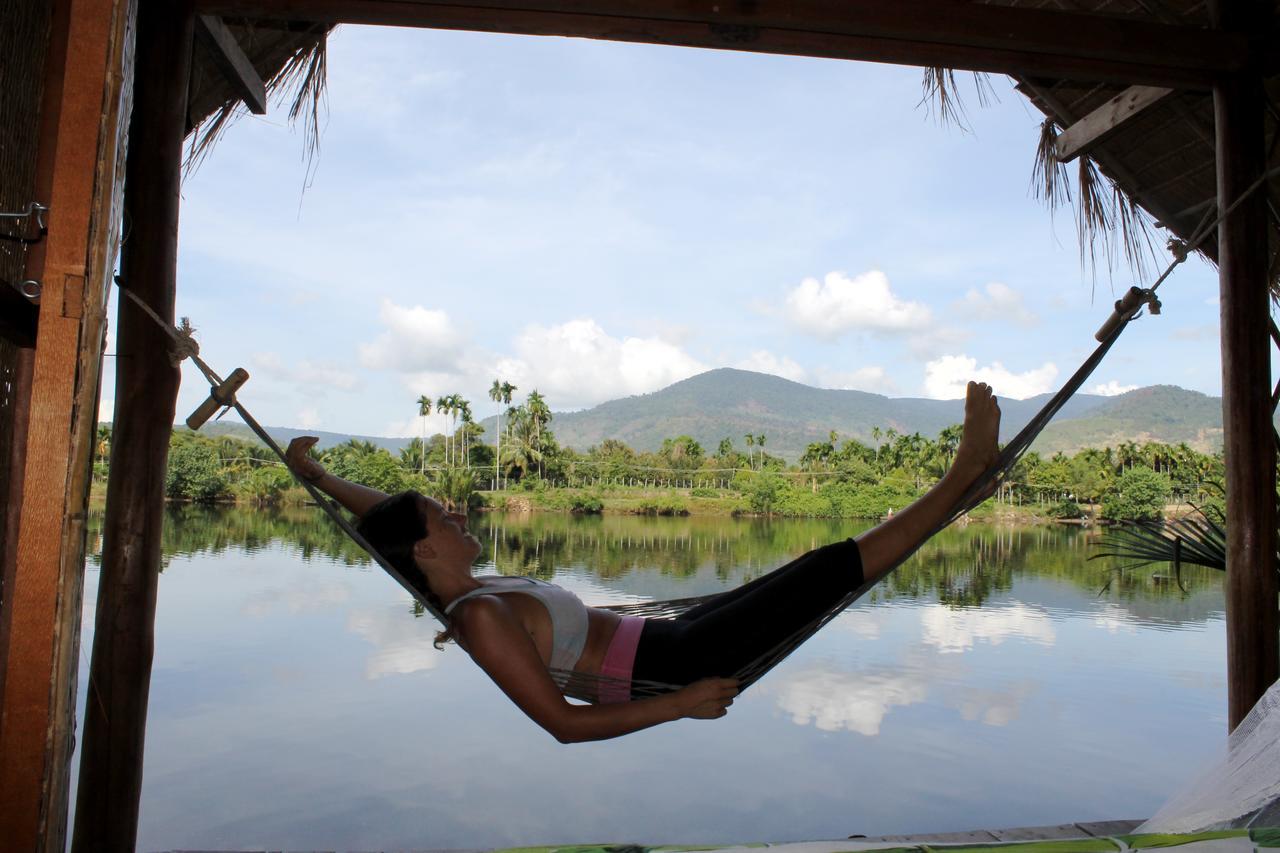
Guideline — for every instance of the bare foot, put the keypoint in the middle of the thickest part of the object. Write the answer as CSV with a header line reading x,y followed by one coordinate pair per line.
x,y
978,446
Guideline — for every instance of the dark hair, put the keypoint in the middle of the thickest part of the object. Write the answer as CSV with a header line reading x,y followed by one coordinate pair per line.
x,y
392,527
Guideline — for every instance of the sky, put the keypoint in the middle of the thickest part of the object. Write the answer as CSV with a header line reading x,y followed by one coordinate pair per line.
x,y
595,220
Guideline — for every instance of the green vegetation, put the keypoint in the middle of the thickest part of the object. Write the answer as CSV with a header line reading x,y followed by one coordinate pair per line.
x,y
1139,495
835,477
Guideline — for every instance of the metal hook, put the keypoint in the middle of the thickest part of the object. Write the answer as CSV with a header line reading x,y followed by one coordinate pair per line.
x,y
35,211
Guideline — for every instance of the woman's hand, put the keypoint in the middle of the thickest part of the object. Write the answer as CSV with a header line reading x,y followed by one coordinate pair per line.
x,y
707,699
300,462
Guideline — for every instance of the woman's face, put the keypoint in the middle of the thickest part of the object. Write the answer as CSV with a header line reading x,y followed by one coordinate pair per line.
x,y
447,534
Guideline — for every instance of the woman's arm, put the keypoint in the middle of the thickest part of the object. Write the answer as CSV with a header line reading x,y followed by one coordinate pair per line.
x,y
355,497
492,635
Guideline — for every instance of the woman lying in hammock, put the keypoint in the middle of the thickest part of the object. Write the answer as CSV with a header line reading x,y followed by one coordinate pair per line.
x,y
519,629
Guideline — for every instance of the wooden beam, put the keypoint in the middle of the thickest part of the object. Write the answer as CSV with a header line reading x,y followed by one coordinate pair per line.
x,y
1253,626
82,132
979,37
232,61
1107,119
146,395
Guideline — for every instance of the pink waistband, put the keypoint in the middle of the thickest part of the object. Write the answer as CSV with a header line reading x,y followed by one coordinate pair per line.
x,y
619,660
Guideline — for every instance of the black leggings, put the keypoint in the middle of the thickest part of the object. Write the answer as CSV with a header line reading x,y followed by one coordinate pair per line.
x,y
721,636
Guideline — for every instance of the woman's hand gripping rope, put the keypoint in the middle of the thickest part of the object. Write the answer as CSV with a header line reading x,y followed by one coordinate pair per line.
x,y
708,699
300,461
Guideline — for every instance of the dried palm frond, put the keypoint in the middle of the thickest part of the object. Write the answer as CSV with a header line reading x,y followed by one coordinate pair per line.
x,y
939,97
1049,181
1093,217
307,74
301,81
1136,231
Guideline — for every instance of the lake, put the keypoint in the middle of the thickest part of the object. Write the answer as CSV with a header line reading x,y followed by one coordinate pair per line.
x,y
998,679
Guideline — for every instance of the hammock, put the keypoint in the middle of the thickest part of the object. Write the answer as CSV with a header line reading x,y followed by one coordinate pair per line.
x,y
587,687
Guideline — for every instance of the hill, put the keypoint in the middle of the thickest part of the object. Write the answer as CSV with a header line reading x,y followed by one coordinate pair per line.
x,y
729,403
1164,413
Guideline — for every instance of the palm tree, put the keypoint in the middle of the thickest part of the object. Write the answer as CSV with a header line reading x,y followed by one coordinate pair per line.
x,y
751,454
539,416
499,392
442,407
424,409
464,411
760,444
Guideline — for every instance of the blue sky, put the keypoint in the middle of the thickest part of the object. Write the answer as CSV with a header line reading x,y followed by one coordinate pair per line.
x,y
598,219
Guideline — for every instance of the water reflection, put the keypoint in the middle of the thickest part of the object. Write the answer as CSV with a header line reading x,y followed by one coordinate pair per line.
x,y
298,703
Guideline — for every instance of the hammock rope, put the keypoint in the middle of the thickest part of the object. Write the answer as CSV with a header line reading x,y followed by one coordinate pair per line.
x,y
586,686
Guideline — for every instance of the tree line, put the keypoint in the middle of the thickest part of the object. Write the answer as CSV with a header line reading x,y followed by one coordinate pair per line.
x,y
837,476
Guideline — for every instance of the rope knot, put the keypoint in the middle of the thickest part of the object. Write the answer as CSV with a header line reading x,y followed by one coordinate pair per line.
x,y
1178,248
184,343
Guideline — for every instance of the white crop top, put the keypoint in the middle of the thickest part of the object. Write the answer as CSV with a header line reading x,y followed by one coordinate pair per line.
x,y
568,613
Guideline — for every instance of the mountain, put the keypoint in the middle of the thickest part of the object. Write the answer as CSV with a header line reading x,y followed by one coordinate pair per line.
x,y
1164,413
729,403
283,435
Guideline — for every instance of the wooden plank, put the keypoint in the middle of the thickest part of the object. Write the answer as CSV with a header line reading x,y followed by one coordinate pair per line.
x,y
81,133
1253,650
979,37
146,393
1107,119
232,61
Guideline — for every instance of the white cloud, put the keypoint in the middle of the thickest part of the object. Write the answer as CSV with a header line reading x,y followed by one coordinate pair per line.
x,y
840,304
106,409
308,418
417,339
945,378
937,341
834,701
992,707
763,361
401,643
305,372
578,364
998,302
953,631
873,379
1111,389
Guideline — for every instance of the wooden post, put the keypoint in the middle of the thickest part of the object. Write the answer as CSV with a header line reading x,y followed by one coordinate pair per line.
x,y
146,393
1253,650
82,117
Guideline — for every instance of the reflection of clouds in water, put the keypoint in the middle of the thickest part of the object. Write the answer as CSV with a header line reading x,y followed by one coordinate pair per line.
x,y
1114,619
958,630
300,598
992,707
401,644
834,700
867,623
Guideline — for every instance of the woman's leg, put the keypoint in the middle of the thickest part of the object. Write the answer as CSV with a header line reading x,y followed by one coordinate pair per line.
x,y
721,637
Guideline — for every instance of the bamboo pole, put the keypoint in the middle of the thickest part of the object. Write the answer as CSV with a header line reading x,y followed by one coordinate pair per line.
x,y
1253,651
146,392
